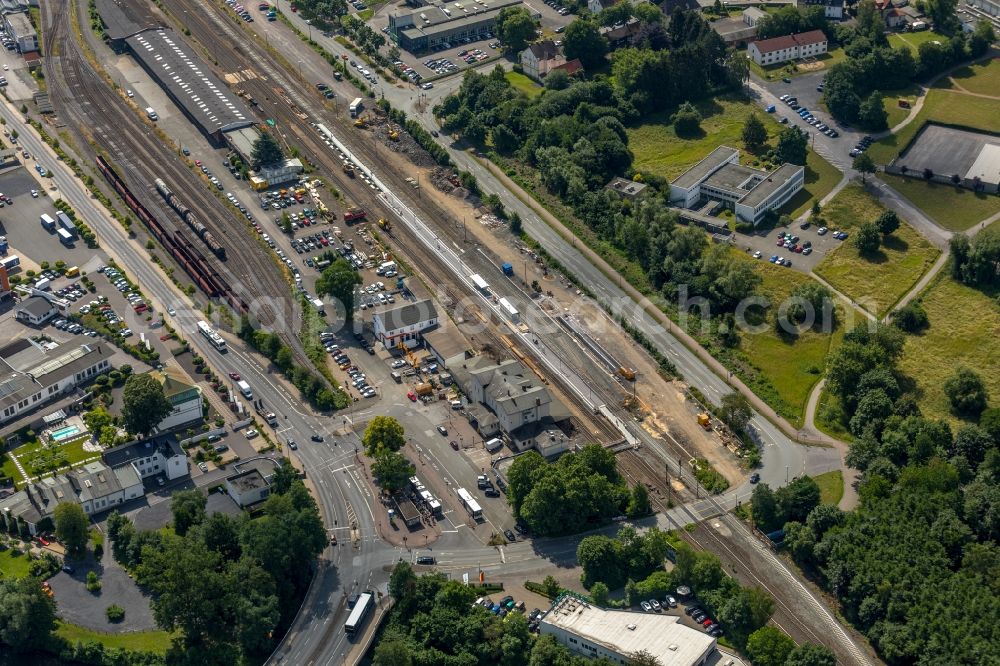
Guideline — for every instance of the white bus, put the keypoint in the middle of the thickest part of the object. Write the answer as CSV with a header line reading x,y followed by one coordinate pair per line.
x,y
470,504
358,614
212,336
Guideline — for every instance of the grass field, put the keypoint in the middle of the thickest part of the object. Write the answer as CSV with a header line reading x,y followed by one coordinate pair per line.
x,y
876,283
37,458
831,487
821,177
898,114
954,208
150,641
13,566
783,70
943,106
981,78
524,84
964,331
913,40
791,366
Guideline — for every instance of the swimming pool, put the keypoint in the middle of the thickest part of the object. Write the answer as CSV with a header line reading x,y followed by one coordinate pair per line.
x,y
64,433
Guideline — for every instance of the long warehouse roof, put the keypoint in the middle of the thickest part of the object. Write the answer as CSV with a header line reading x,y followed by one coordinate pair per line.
x,y
189,81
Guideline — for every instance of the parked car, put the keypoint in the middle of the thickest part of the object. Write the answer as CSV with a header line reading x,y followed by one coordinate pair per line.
x,y
425,559
646,606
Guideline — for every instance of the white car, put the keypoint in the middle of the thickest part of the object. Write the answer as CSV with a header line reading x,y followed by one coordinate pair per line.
x,y
758,254
250,434
34,194
171,312
127,92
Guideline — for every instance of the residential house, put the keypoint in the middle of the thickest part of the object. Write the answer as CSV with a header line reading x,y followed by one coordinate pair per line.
x,y
832,9
36,310
159,455
185,398
543,57
404,324
621,35
789,47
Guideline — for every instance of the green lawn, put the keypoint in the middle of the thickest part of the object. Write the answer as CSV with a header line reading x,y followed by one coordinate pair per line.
x,y
13,566
913,40
524,84
943,106
830,417
821,178
150,641
964,331
831,487
898,114
876,283
982,78
791,366
954,208
37,458
789,70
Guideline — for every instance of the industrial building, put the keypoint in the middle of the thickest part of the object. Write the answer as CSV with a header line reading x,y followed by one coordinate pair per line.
x,y
749,192
18,26
34,374
438,23
616,635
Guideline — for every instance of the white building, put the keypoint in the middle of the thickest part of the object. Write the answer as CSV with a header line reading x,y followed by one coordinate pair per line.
x,y
616,635
160,455
36,310
790,47
832,9
403,325
247,487
749,192
18,26
185,398
753,15
33,375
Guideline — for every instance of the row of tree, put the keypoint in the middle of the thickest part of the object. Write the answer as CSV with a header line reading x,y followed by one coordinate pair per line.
x,y
226,586
383,438
976,262
537,491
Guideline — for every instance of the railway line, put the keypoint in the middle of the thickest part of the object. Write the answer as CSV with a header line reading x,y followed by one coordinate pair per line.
x,y
251,281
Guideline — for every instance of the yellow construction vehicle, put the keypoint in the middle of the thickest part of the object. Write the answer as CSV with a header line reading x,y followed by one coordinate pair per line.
x,y
414,362
384,224
705,421
627,373
360,122
394,135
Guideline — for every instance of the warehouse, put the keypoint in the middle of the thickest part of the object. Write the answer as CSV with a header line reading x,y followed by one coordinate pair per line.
x,y
440,23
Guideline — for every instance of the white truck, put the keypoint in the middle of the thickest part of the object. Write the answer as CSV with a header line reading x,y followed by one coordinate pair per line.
x,y
356,106
245,389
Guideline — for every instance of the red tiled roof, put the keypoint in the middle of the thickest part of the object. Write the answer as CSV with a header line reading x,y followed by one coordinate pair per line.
x,y
571,67
788,41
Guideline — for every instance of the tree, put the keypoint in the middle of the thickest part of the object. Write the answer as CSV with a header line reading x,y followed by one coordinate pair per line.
x,y
769,646
144,404
793,146
338,281
394,652
764,509
887,222
942,13
515,28
754,133
383,433
973,443
600,557
584,40
966,392
989,421
810,654
27,614
283,477
599,593
72,527
643,658
745,611
392,469
557,79
551,586
516,225
736,412
981,38
266,151
188,509
867,239
402,581
798,498
687,120
864,165
639,505
872,114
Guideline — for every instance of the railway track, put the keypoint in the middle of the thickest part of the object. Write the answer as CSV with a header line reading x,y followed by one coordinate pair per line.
x,y
84,99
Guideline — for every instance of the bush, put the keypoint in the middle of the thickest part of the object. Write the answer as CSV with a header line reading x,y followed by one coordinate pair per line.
x,y
93,585
115,613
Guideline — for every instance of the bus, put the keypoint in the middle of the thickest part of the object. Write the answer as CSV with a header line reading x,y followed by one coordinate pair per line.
x,y
471,505
212,336
358,614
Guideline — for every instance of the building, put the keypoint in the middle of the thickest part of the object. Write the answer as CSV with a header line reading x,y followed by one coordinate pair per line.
x,y
832,9
753,15
34,375
36,310
541,58
617,635
438,23
790,47
629,189
597,6
185,398
158,455
404,324
621,34
247,487
94,486
507,398
18,26
275,174
734,32
749,192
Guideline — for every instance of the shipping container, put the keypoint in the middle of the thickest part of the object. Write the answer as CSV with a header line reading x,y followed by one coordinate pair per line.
x,y
66,223
47,222
65,237
356,106
13,261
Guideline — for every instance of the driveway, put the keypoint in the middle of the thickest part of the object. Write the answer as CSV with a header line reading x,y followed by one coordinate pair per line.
x,y
77,605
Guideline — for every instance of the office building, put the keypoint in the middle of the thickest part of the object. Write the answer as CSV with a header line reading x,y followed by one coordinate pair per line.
x,y
438,23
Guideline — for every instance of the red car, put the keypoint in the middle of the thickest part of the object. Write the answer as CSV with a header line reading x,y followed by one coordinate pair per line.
x,y
780,243
43,541
412,396
707,621
235,376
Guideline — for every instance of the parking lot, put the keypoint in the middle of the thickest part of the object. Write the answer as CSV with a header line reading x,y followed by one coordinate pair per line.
x,y
772,247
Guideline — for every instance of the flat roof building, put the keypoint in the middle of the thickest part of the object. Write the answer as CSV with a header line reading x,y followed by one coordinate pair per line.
x,y
749,192
617,635
247,487
18,26
439,23
189,82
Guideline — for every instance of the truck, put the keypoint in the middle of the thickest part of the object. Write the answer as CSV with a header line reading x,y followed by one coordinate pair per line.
x,y
354,213
65,237
47,222
385,267
245,389
66,223
423,389
507,268
356,105
268,416
13,261
320,307
44,284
